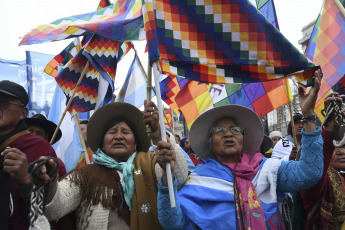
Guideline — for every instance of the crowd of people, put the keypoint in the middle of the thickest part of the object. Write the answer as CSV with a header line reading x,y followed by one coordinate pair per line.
x,y
227,174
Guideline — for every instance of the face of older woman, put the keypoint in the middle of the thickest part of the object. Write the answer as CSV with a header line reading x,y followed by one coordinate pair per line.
x,y
227,145
119,142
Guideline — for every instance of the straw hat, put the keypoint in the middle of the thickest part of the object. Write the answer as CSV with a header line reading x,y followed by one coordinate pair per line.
x,y
112,111
247,119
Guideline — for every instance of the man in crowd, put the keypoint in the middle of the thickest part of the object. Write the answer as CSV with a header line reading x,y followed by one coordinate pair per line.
x,y
40,126
18,148
83,129
285,148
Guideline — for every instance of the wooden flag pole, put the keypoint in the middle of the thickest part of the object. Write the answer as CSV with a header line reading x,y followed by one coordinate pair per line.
x,y
278,120
82,141
149,89
292,124
70,101
163,136
340,6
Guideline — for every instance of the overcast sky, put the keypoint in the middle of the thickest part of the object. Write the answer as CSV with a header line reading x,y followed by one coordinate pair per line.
x,y
18,17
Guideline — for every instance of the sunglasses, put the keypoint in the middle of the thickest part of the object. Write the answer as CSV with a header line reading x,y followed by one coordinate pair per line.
x,y
6,104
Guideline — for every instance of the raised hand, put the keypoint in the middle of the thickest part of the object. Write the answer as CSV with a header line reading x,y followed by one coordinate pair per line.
x,y
151,115
307,101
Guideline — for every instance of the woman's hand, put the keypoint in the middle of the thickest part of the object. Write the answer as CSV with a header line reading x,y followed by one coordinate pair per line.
x,y
165,154
307,101
151,115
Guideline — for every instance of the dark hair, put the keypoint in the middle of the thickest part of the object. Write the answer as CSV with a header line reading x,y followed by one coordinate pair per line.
x,y
176,135
113,123
296,117
84,122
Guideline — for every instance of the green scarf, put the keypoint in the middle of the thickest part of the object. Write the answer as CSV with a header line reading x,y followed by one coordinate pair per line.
x,y
100,158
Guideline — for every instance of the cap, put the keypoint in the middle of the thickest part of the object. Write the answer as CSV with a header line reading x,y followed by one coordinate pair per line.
x,y
15,90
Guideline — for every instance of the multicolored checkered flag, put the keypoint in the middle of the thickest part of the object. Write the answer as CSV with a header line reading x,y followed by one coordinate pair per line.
x,y
219,42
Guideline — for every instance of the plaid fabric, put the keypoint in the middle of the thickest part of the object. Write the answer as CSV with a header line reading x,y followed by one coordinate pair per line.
x,y
121,21
262,97
170,86
103,55
62,58
219,42
71,50
329,44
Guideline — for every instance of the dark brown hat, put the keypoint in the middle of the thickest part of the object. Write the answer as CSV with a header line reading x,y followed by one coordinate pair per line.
x,y
15,90
117,110
48,126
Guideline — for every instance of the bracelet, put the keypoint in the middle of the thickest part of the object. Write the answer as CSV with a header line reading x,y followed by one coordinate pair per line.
x,y
311,119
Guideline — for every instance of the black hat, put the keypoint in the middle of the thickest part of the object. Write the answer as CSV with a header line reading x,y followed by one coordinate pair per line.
x,y
266,144
48,126
15,90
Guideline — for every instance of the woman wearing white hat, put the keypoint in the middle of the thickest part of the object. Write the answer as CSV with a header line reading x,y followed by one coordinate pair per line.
x,y
237,188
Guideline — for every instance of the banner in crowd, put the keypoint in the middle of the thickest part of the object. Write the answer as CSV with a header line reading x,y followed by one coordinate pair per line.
x,y
29,73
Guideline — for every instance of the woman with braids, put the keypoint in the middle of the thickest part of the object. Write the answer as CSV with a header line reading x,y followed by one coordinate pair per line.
x,y
119,190
324,204
237,188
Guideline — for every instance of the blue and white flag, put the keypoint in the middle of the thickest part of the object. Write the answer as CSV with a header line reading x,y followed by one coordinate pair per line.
x,y
134,90
68,148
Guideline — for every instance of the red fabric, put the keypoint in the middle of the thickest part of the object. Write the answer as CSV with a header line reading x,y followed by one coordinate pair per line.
x,y
311,195
196,160
82,161
34,147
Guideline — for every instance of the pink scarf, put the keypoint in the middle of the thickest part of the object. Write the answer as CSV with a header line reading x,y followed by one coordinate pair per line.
x,y
248,205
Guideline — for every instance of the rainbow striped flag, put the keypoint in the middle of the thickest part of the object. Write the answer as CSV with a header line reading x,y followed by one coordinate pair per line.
x,y
327,47
120,21
97,86
219,42
262,97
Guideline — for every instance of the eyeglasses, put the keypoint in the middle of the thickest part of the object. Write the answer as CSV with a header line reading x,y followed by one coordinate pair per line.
x,y
236,130
6,104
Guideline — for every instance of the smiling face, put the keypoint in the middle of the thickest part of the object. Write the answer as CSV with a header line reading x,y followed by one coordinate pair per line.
x,y
119,142
338,159
227,146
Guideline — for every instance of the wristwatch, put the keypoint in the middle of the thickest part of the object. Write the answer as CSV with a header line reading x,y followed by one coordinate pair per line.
x,y
311,119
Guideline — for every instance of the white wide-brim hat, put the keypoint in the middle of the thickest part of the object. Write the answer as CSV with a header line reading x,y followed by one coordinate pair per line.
x,y
247,119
